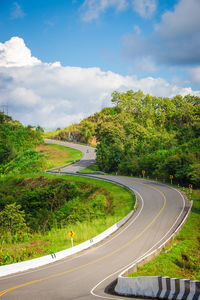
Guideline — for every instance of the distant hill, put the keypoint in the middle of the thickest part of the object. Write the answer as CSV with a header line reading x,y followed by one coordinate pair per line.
x,y
83,132
159,135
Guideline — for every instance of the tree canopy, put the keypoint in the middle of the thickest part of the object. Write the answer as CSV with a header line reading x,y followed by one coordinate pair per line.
x,y
160,135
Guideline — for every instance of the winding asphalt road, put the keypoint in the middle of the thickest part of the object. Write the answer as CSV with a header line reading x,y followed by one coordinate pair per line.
x,y
86,275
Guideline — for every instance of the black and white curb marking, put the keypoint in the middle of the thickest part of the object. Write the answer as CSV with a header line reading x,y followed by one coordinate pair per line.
x,y
172,288
160,288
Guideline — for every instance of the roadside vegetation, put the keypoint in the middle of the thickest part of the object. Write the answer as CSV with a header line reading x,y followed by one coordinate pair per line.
x,y
17,147
180,259
38,211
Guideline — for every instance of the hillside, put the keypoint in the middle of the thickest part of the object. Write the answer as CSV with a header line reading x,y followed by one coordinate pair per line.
x,y
38,209
142,132
17,147
83,132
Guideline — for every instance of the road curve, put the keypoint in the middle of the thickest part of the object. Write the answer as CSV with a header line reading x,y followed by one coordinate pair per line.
x,y
86,275
88,158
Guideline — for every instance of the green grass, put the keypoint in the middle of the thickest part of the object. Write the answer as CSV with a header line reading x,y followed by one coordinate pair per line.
x,y
54,241
51,134
38,244
92,167
57,155
123,199
181,259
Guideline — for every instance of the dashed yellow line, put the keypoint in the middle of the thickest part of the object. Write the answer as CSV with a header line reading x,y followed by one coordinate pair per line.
x,y
94,261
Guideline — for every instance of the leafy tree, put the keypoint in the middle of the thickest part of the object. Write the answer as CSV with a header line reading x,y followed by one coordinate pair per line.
x,y
12,219
194,173
160,135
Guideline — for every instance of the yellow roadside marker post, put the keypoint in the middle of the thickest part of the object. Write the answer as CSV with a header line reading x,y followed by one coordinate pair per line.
x,y
143,173
171,177
71,234
190,187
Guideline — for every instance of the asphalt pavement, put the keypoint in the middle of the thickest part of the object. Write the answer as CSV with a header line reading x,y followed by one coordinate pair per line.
x,y
88,275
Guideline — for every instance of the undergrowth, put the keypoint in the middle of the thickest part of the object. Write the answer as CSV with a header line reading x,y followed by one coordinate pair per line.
x,y
100,205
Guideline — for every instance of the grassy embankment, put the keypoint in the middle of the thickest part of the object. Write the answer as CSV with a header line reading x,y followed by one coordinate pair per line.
x,y
181,259
35,243
91,168
50,134
57,155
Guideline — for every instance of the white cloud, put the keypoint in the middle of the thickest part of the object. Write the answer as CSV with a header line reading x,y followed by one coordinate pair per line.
x,y
15,53
55,96
195,74
145,8
91,9
17,11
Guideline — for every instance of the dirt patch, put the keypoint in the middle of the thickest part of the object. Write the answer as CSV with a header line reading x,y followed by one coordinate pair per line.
x,y
34,182
54,154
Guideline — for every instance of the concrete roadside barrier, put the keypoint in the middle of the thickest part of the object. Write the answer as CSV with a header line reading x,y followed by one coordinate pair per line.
x,y
157,286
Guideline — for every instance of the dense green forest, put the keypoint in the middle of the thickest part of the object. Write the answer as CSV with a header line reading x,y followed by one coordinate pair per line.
x,y
158,135
142,132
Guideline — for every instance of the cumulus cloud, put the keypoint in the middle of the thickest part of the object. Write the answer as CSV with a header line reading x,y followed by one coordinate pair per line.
x,y
14,53
91,9
55,96
174,41
145,8
17,12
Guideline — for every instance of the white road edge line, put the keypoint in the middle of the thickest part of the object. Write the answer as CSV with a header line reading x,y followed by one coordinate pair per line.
x,y
134,262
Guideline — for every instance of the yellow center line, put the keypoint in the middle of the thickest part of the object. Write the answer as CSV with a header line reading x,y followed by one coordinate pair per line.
x,y
97,260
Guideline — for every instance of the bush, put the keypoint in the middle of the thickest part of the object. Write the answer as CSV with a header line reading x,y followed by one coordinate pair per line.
x,y
28,161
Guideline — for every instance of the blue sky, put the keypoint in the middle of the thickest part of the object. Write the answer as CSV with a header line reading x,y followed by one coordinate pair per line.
x,y
101,45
